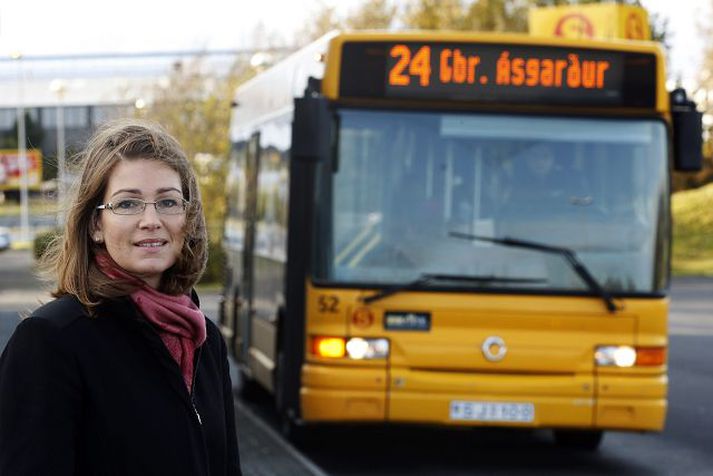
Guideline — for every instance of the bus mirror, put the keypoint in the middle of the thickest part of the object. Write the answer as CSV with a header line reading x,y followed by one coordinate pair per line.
x,y
311,129
687,133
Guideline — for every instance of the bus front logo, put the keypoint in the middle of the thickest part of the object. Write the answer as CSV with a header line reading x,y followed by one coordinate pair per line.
x,y
494,349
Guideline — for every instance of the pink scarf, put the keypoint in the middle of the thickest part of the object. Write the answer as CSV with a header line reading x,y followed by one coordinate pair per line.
x,y
180,324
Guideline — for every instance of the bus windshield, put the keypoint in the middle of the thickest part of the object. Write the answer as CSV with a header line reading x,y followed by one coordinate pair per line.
x,y
403,182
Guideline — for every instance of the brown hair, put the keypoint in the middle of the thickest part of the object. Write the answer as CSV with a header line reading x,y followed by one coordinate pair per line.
x,y
70,258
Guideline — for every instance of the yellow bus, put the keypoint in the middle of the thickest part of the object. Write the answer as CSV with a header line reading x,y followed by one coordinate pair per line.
x,y
457,229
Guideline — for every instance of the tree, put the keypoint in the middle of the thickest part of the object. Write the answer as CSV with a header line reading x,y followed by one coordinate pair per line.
x,y
704,93
373,14
491,15
195,107
465,15
436,15
478,15
499,15
325,20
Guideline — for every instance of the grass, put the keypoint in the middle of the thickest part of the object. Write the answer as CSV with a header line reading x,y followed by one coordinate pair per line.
x,y
693,231
209,288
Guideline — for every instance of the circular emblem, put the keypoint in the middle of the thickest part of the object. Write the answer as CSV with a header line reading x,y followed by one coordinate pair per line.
x,y
494,348
362,317
574,25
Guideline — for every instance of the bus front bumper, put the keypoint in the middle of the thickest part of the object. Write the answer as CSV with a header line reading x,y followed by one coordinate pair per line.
x,y
357,394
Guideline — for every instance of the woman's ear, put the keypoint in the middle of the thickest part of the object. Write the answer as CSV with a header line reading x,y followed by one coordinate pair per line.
x,y
95,232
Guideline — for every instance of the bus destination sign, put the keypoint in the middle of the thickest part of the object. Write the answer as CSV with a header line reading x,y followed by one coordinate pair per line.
x,y
496,73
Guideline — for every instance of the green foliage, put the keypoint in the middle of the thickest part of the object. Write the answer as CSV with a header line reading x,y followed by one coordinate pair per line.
x,y
693,231
43,240
216,264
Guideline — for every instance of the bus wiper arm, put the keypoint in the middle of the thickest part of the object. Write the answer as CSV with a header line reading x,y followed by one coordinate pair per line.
x,y
425,279
567,253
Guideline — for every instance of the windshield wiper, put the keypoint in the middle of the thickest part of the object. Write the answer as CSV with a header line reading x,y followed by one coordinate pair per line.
x,y
424,280
568,254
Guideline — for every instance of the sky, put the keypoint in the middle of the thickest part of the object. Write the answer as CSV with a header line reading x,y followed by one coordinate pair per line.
x,y
39,27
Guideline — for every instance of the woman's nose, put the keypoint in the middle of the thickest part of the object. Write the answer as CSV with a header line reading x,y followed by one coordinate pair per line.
x,y
149,217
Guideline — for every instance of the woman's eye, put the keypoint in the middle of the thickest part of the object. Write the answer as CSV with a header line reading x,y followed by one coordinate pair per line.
x,y
168,203
128,204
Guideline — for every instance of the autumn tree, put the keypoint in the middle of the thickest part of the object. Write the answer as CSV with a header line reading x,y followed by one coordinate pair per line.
x,y
325,20
372,14
194,105
704,95
490,15
464,15
436,15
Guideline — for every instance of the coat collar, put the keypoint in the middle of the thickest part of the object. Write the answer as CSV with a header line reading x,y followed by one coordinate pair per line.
x,y
124,310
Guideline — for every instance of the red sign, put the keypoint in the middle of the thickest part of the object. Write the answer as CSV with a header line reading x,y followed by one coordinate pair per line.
x,y
11,170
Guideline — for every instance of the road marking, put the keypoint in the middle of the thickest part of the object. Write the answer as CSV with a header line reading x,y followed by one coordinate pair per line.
x,y
313,468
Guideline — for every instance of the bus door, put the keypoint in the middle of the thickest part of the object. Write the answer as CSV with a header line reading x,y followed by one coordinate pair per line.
x,y
247,279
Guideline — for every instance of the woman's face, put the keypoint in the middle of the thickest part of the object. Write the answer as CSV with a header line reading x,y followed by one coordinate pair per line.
x,y
148,243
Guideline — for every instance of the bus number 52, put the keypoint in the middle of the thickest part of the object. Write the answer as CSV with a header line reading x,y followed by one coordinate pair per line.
x,y
407,65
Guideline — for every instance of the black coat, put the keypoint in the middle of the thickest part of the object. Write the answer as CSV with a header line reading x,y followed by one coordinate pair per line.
x,y
103,396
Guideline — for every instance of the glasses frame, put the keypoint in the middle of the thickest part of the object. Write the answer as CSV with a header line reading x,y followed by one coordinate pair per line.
x,y
110,206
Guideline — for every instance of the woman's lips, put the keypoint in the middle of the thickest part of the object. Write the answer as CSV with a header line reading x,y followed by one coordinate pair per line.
x,y
153,243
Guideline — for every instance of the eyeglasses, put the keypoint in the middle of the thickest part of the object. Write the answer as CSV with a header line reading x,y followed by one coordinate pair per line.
x,y
136,206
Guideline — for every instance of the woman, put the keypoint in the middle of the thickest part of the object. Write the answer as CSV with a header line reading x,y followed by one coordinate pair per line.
x,y
122,373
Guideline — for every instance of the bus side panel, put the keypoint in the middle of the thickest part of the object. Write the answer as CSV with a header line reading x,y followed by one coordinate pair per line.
x,y
233,244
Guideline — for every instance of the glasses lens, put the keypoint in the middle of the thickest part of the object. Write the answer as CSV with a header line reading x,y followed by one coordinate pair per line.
x,y
130,206
170,206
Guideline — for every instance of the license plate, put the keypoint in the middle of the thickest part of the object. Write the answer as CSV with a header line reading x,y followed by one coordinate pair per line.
x,y
492,411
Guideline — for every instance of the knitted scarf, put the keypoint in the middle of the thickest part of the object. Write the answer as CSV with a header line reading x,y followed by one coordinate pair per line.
x,y
178,321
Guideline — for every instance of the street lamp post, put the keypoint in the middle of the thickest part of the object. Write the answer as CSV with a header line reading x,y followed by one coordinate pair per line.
x,y
22,152
58,87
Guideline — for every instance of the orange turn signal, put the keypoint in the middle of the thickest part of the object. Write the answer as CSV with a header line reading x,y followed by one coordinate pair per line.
x,y
648,356
331,347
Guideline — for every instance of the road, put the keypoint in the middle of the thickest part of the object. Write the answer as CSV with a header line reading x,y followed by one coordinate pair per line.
x,y
684,448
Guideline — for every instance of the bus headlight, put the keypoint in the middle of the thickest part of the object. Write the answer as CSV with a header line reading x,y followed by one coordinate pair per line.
x,y
615,356
359,348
